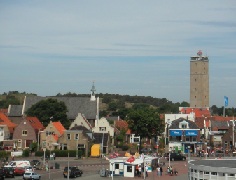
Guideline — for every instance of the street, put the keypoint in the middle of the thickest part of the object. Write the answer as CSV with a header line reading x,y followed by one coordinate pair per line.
x,y
91,167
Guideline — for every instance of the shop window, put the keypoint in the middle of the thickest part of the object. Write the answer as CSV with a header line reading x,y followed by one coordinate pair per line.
x,y
129,168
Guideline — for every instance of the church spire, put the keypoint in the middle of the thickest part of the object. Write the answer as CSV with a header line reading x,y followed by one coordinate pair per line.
x,y
93,92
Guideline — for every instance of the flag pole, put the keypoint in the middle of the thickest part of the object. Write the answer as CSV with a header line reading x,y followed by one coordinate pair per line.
x,y
224,111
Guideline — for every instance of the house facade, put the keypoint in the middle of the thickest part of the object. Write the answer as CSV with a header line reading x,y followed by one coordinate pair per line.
x,y
75,140
24,135
183,135
50,135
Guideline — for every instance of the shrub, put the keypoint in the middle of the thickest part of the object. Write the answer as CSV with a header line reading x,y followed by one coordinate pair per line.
x,y
4,154
26,153
59,153
125,147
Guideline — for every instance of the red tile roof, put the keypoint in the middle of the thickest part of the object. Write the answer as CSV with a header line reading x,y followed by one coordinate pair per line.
x,y
5,121
59,127
121,124
199,112
35,123
128,132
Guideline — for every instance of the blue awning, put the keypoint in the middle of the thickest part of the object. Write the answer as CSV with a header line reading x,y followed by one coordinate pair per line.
x,y
191,132
176,132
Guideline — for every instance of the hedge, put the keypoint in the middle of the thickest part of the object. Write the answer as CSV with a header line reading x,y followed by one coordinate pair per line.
x,y
4,154
59,153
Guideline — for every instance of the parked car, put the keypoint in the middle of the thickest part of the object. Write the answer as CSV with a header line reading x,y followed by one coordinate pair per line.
x,y
73,172
31,175
29,169
176,157
219,153
2,174
19,171
9,171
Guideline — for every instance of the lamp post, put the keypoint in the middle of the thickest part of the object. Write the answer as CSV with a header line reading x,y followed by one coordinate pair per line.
x,y
112,163
189,170
77,153
68,173
39,132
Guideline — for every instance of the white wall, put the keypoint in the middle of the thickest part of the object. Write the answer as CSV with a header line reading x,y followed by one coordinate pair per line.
x,y
80,120
2,133
101,124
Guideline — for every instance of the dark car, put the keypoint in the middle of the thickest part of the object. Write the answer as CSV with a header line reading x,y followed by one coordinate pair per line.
x,y
9,171
2,174
219,153
73,172
176,157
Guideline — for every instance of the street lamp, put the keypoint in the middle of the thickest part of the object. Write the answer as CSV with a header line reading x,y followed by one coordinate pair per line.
x,y
77,153
189,170
38,139
112,163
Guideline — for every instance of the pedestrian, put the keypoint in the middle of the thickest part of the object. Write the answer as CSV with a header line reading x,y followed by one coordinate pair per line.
x,y
158,171
171,170
13,157
146,168
140,170
168,170
161,170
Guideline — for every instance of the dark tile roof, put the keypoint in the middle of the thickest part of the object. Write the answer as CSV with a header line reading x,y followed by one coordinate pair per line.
x,y
219,125
15,110
74,105
80,128
175,124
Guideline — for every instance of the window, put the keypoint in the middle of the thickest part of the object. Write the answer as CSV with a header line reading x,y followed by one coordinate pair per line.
x,y
24,133
116,166
129,168
68,136
102,128
184,126
76,136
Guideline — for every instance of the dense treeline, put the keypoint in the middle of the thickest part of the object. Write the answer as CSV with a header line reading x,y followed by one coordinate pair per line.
x,y
117,104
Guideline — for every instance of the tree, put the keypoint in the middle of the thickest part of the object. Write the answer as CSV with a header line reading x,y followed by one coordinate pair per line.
x,y
144,122
46,109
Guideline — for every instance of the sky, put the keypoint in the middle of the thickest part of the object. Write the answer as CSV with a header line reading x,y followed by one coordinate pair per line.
x,y
132,47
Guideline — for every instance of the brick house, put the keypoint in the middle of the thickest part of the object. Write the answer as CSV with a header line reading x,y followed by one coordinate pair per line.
x,y
24,135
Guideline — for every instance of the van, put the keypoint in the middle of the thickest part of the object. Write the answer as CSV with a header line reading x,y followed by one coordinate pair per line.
x,y
20,163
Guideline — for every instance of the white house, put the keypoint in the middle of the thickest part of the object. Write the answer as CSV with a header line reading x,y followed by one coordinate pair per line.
x,y
103,126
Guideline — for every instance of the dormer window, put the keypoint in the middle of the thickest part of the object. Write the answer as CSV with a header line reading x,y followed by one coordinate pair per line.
x,y
102,128
183,125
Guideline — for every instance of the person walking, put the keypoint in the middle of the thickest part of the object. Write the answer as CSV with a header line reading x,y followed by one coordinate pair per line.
x,y
146,168
161,170
158,171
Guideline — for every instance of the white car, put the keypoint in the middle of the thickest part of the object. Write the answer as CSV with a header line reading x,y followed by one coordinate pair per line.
x,y
29,169
31,175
